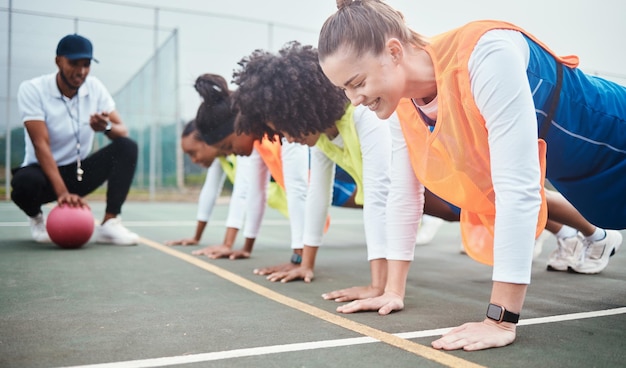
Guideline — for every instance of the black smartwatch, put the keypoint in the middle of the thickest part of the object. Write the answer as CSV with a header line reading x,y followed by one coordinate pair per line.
x,y
108,128
499,314
296,259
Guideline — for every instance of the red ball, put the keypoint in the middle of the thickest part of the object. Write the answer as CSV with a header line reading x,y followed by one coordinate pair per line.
x,y
70,227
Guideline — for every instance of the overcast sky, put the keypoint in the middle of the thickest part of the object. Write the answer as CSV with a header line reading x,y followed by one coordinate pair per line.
x,y
214,35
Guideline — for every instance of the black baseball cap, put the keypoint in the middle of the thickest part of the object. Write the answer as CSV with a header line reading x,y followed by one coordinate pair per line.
x,y
75,47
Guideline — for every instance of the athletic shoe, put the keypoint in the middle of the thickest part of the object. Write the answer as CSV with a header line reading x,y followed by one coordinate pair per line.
x,y
567,253
38,229
539,243
113,232
428,229
595,258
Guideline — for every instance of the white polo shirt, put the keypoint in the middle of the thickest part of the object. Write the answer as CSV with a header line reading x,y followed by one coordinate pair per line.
x,y
40,99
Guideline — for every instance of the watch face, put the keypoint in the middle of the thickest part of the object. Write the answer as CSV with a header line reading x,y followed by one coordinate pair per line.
x,y
495,312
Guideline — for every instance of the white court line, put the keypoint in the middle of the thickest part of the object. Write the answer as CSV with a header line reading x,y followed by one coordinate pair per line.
x,y
274,349
190,223
526,322
572,316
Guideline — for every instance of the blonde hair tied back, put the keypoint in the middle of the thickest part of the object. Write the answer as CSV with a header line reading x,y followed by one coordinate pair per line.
x,y
345,3
363,26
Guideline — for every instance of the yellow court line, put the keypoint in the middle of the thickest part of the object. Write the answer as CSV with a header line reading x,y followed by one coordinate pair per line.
x,y
415,348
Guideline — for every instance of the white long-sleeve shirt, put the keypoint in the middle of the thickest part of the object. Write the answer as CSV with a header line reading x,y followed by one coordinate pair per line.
x,y
295,158
375,141
250,190
249,195
500,88
211,189
213,186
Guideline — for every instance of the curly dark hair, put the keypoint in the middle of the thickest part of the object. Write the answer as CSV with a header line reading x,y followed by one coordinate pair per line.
x,y
289,90
215,118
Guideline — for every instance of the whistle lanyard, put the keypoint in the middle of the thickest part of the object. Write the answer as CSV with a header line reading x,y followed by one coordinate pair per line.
x,y
75,122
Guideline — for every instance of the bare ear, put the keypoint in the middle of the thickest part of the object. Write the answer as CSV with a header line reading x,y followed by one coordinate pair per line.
x,y
57,61
395,49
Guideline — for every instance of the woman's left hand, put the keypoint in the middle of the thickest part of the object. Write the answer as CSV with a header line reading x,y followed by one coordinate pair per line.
x,y
298,273
384,304
477,336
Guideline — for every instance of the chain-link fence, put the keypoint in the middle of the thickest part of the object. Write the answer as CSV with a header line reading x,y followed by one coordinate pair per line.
x,y
148,105
147,101
138,63
141,64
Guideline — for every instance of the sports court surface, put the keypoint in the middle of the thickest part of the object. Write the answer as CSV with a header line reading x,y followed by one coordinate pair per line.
x,y
156,306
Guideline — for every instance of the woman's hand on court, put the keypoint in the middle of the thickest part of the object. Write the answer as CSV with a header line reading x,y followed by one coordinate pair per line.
x,y
221,251
353,293
214,251
183,242
477,336
384,304
298,273
272,269
239,254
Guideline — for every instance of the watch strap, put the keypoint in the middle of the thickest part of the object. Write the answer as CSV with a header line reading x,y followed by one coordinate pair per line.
x,y
296,258
510,317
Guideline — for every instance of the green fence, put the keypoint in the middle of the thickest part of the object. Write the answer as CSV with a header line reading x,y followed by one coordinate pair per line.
x,y
148,104
147,101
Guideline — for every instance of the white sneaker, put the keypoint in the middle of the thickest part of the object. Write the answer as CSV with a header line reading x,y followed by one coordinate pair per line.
x,y
567,253
38,229
595,258
113,232
428,229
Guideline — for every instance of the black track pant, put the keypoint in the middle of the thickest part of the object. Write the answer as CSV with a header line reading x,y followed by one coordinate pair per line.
x,y
114,163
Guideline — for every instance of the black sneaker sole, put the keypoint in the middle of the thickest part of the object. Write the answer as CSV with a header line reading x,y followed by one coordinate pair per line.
x,y
550,268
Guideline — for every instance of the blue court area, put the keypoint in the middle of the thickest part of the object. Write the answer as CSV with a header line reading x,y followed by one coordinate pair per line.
x,y
156,306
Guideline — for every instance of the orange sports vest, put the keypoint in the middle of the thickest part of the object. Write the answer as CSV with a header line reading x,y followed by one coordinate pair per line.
x,y
453,161
270,152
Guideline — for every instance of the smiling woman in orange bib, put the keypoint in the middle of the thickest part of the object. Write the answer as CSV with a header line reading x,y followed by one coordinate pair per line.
x,y
472,105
